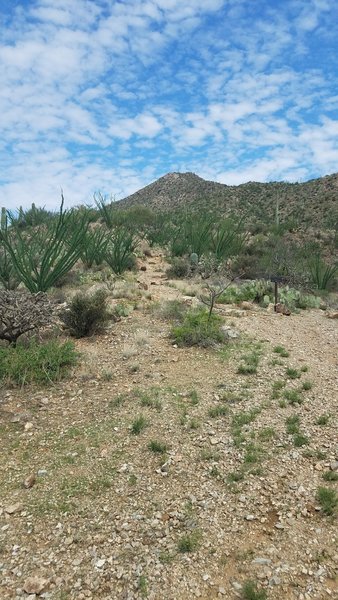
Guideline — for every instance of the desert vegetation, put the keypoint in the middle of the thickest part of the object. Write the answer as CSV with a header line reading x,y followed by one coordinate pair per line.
x,y
173,431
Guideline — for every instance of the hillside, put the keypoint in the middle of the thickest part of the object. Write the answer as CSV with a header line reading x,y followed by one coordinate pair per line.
x,y
313,202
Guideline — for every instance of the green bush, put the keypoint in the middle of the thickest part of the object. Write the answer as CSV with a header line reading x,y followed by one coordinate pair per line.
x,y
198,329
179,268
36,363
86,313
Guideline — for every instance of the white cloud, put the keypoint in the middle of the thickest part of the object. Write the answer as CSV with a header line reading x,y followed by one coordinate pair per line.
x,y
104,95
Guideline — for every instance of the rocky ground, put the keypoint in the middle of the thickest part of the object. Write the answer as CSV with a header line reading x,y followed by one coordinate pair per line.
x,y
216,486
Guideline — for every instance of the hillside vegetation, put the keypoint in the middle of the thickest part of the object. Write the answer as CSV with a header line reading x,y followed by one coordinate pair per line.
x,y
168,426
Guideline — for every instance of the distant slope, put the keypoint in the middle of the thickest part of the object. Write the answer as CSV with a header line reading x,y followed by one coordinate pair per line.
x,y
312,203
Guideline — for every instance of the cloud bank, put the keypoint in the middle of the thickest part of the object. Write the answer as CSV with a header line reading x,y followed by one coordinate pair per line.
x,y
109,96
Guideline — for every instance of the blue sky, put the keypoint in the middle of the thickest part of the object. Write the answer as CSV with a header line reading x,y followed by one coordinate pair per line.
x,y
106,95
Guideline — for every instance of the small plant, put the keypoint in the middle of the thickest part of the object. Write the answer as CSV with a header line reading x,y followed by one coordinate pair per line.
x,y
323,420
86,313
218,411
210,455
307,385
278,385
300,440
179,269
328,500
189,543
151,401
251,592
304,369
266,434
244,418
249,365
193,397
143,586
235,476
281,351
292,396
292,373
253,454
330,476
139,424
292,424
157,447
197,329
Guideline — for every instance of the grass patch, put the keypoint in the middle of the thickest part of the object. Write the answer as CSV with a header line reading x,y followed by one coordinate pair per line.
x,y
157,447
139,424
292,373
330,476
281,351
235,477
266,434
198,329
210,455
307,385
218,411
37,363
328,500
323,420
299,440
292,397
244,418
292,424
250,591
189,542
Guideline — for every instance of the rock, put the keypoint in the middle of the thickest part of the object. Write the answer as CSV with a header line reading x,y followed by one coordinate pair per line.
x,y
229,333
35,585
282,309
332,315
100,563
261,561
42,472
143,268
29,481
334,465
13,508
247,305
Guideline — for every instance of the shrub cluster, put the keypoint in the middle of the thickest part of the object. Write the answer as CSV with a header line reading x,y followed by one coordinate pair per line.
x,y
86,313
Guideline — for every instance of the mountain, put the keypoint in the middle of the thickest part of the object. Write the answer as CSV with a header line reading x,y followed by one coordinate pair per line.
x,y
312,203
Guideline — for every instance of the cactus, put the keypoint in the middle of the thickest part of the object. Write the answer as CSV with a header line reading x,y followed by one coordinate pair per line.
x,y
3,222
194,259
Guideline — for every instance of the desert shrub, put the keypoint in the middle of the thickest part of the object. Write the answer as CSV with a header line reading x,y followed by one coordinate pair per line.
x,y
36,363
22,312
198,329
179,268
86,313
172,310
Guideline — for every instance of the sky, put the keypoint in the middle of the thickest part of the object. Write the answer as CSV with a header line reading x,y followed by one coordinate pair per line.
x,y
108,96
